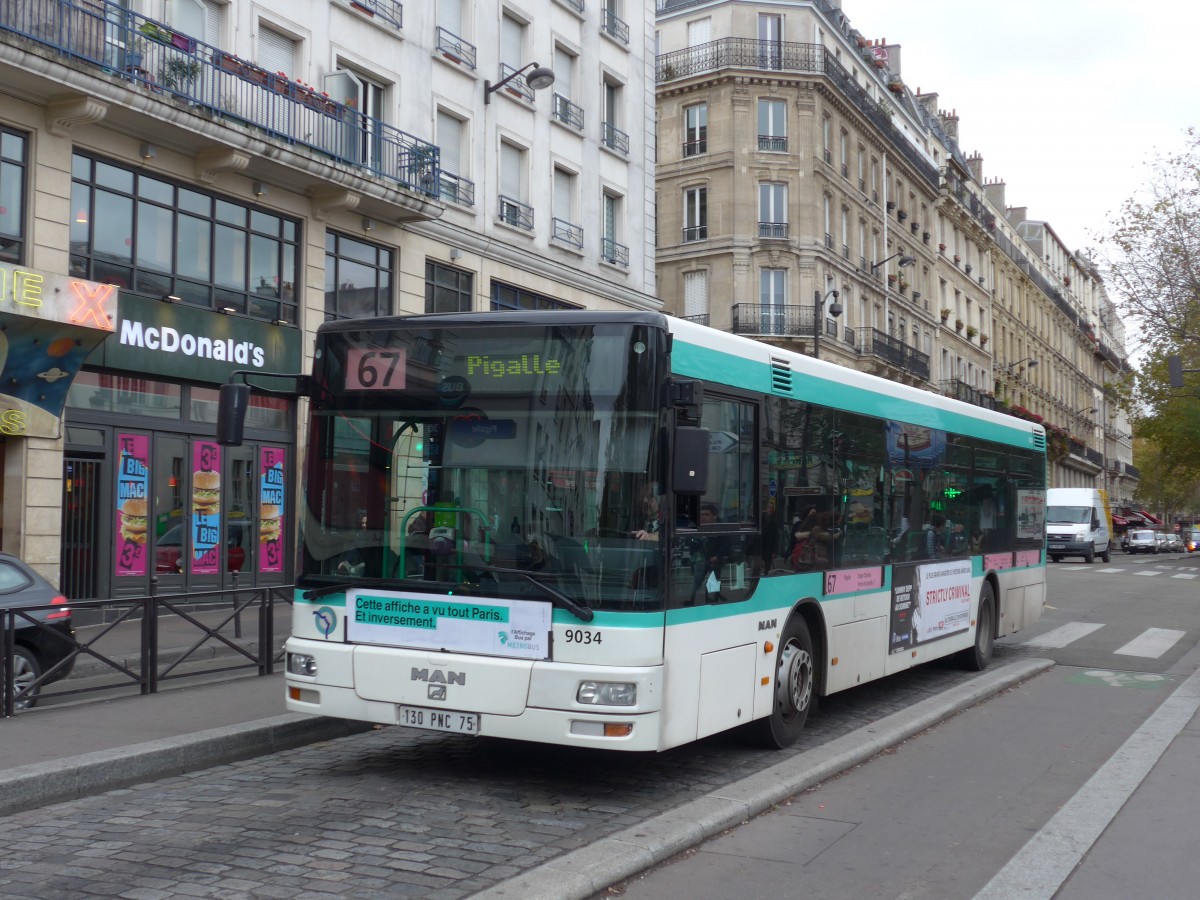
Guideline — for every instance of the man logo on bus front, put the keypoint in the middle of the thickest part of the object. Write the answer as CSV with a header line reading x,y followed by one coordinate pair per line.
x,y
437,692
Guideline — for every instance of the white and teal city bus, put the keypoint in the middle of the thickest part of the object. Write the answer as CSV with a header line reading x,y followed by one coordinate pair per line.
x,y
628,531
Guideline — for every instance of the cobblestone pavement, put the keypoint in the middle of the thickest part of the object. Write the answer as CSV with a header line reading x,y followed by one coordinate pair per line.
x,y
390,813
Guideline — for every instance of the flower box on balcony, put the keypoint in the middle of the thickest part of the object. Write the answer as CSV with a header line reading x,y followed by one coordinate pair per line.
x,y
941,248
971,331
958,324
362,8
945,314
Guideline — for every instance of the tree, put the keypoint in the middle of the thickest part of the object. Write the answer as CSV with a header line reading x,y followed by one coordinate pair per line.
x,y
1152,254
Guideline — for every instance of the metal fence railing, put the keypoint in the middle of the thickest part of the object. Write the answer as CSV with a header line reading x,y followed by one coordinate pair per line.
x,y
177,67
142,642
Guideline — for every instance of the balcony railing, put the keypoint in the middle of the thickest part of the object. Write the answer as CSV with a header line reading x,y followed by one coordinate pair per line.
x,y
454,48
564,231
772,143
456,189
695,148
773,321
614,138
799,59
773,230
517,86
960,390
515,213
612,25
174,66
701,319
693,233
893,351
390,11
567,112
613,253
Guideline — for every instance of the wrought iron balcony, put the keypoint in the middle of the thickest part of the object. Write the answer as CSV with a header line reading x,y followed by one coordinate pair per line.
x,y
773,321
390,11
454,48
613,253
798,59
174,66
695,148
701,319
567,112
614,138
564,231
692,233
772,143
457,189
893,351
614,26
515,213
960,390
773,230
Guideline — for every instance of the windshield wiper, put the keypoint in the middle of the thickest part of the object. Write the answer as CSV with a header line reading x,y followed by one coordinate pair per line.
x,y
578,610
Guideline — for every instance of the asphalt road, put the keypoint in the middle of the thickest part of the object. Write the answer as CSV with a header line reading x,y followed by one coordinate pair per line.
x,y
403,813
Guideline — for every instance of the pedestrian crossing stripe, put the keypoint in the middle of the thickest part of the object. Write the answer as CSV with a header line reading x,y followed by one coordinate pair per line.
x,y
1150,644
1063,635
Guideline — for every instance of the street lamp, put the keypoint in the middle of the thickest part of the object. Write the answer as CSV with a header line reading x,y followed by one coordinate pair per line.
x,y
835,310
539,78
1029,359
904,261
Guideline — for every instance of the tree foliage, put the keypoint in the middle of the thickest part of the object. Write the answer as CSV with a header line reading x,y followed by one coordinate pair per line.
x,y
1152,253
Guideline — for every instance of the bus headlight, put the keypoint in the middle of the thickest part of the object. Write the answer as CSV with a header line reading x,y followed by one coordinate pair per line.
x,y
607,693
302,664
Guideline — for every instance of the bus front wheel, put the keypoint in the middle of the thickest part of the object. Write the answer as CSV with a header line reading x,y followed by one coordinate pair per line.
x,y
976,658
795,688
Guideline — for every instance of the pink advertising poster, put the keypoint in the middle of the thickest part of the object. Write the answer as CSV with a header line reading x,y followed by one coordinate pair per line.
x,y
133,495
270,510
206,508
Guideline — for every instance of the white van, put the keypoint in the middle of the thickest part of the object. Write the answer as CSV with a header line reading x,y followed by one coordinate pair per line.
x,y
1078,523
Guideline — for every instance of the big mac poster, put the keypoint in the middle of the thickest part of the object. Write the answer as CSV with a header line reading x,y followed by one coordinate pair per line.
x,y
270,510
206,508
133,491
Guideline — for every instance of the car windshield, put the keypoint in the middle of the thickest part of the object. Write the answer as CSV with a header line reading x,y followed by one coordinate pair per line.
x,y
1142,536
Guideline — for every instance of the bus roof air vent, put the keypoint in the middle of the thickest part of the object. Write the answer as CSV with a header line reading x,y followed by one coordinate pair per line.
x,y
1039,441
781,376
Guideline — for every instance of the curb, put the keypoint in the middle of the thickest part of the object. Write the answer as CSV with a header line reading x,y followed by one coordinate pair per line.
x,y
40,784
585,872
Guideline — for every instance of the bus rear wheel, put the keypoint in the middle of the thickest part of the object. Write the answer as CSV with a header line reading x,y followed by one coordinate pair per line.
x,y
795,688
976,658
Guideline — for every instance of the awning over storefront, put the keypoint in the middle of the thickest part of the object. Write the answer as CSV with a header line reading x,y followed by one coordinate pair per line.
x,y
1120,521
1150,517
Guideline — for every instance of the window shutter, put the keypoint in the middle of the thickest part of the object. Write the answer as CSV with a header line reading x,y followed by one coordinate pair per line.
x,y
511,33
510,171
563,68
212,23
695,294
562,194
699,32
450,16
449,138
276,52
610,217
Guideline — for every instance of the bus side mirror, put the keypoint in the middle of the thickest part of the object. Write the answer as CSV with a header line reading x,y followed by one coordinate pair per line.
x,y
231,413
690,462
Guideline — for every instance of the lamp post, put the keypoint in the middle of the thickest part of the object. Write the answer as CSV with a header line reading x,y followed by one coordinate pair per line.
x,y
835,310
904,261
539,78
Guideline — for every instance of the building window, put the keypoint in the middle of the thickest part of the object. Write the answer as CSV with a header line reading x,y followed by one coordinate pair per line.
x,y
772,298
507,296
772,210
566,110
611,250
513,209
451,138
695,214
772,125
155,237
563,226
695,297
695,130
611,136
447,289
13,148
358,278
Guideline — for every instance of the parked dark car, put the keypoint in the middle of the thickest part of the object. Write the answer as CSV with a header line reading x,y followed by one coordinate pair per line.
x,y
44,638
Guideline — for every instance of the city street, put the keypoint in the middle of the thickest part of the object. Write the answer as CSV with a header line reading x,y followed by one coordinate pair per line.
x,y
404,813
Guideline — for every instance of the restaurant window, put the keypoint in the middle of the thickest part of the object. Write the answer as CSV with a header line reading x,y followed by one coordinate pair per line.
x,y
13,147
159,238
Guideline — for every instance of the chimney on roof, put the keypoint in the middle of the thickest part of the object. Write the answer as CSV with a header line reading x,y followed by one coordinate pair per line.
x,y
928,103
949,123
975,162
995,193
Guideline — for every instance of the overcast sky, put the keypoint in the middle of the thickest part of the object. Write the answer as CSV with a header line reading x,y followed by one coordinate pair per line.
x,y
1065,100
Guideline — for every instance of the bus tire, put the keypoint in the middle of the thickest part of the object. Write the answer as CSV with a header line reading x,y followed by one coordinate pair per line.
x,y
795,694
976,658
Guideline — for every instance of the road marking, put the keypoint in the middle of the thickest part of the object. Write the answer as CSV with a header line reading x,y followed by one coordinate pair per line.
x,y
1147,574
1063,635
1047,860
1112,569
1142,680
1185,575
1152,643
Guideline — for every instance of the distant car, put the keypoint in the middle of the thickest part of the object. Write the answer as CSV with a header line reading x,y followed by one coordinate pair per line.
x,y
1169,542
1143,540
43,638
1191,539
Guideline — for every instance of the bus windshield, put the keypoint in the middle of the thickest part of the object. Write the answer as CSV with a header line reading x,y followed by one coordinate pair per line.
x,y
480,459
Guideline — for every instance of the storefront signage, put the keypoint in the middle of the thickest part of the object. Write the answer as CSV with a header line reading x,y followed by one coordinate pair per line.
x,y
206,508
181,341
50,325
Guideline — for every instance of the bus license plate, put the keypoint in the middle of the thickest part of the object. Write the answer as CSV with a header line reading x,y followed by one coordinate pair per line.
x,y
439,720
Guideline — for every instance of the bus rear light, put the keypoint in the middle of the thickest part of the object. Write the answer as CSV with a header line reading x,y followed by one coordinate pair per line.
x,y
57,614
607,693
